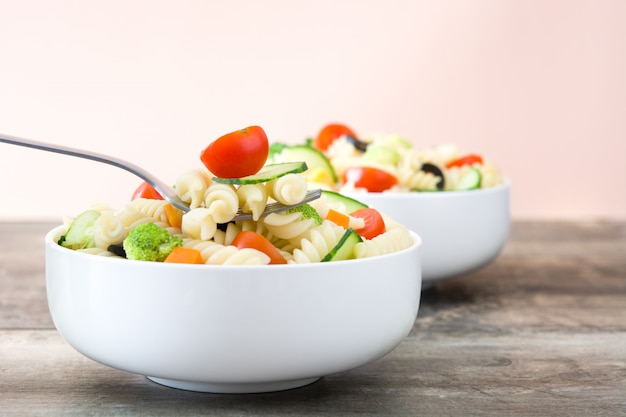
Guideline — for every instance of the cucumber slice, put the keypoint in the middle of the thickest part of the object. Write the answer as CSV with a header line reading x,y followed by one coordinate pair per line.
x,y
80,233
349,203
344,249
470,181
267,173
314,158
382,154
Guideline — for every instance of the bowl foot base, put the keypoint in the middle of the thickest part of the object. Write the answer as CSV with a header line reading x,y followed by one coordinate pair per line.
x,y
234,388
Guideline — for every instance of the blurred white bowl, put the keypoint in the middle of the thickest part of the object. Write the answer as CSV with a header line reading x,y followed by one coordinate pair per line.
x,y
461,231
232,329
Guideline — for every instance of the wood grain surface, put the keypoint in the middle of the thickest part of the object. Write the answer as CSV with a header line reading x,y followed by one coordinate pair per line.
x,y
541,331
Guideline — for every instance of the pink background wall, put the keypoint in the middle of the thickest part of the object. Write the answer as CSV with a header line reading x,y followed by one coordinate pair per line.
x,y
537,86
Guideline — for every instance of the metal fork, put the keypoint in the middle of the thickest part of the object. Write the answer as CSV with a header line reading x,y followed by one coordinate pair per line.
x,y
165,190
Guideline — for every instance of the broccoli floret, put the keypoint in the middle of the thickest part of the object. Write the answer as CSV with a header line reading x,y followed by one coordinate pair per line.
x,y
149,242
308,212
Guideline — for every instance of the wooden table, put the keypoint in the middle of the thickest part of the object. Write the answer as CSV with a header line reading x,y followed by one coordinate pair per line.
x,y
539,332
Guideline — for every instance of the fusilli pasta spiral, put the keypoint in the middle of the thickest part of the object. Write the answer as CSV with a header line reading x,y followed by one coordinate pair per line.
x,y
191,187
252,199
199,224
288,189
392,240
222,202
108,230
288,226
321,240
216,254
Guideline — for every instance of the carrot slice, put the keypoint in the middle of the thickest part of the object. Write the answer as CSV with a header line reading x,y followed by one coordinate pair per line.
x,y
338,218
182,255
173,215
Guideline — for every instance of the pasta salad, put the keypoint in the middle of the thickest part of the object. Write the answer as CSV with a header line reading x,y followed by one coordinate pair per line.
x,y
330,228
391,163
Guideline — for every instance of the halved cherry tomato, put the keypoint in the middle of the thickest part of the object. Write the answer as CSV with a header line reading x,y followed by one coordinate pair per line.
x,y
250,239
329,133
373,179
470,159
237,154
145,190
374,223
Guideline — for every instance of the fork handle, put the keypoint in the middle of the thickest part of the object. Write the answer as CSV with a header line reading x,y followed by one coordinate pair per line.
x,y
66,150
160,186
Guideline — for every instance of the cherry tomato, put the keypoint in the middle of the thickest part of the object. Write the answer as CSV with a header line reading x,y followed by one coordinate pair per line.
x,y
329,133
145,190
250,239
374,223
237,154
373,179
470,159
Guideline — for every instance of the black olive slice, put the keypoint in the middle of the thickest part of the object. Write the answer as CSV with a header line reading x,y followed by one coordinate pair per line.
x,y
223,226
434,169
357,143
117,249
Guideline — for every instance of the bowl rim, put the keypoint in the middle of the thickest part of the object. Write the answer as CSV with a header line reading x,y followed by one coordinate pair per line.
x,y
52,236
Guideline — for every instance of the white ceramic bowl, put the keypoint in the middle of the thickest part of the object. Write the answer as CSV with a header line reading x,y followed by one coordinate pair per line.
x,y
461,231
232,329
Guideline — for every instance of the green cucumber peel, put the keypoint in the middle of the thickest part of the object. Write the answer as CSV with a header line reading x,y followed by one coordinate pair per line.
x,y
344,249
267,173
80,235
349,203
313,158
470,181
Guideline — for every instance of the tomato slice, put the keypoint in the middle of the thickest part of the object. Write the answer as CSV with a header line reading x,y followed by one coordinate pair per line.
x,y
237,154
374,223
373,179
145,190
250,239
470,159
329,133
